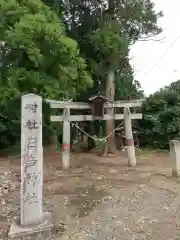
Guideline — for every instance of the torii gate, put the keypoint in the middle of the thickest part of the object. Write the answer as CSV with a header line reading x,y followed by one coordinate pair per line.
x,y
67,118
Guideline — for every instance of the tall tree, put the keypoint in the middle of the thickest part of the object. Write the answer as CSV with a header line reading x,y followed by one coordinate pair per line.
x,y
36,56
109,46
105,31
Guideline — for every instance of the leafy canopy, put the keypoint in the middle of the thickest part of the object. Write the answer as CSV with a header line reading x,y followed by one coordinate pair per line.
x,y
161,121
38,56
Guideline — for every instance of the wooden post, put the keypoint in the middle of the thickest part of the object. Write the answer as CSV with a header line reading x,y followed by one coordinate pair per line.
x,y
129,138
66,139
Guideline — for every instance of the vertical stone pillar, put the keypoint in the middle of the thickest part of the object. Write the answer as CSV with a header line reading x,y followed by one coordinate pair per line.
x,y
66,139
31,160
129,138
33,223
175,157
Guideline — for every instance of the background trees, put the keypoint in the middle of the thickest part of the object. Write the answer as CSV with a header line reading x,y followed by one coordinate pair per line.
x,y
105,31
161,121
73,48
36,56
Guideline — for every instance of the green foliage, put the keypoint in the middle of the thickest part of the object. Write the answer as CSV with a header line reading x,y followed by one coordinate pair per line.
x,y
126,86
37,57
40,56
138,18
109,45
105,35
161,121
39,52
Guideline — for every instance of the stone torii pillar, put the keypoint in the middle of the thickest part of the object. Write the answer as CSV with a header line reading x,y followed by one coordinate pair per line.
x,y
66,139
33,223
129,138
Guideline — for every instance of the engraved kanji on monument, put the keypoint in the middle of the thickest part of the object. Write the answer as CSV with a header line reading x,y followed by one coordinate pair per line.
x,y
31,160
33,223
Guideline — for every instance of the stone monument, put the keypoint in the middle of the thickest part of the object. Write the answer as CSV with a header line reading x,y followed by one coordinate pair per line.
x,y
33,223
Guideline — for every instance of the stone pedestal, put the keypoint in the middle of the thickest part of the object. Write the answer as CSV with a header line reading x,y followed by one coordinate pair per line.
x,y
175,157
32,232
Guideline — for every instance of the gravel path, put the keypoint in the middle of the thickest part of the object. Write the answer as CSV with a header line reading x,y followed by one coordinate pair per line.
x,y
104,199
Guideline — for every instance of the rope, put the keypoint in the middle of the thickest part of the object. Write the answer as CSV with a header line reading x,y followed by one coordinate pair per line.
x,y
95,138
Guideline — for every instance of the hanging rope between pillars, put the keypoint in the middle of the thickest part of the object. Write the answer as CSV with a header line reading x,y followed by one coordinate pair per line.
x,y
95,138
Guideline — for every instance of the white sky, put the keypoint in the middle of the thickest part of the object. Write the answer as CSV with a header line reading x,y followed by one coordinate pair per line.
x,y
146,54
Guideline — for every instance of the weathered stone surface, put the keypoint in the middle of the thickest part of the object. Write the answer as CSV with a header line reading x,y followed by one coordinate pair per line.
x,y
32,224
34,232
31,160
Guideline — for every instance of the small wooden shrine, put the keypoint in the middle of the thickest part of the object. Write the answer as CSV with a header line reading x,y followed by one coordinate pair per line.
x,y
97,103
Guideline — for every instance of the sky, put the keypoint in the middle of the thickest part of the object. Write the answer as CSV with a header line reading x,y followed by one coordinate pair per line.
x,y
145,54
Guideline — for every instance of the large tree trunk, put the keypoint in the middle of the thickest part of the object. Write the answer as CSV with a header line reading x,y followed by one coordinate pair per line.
x,y
110,94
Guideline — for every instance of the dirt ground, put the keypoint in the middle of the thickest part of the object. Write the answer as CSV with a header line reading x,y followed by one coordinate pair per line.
x,y
101,198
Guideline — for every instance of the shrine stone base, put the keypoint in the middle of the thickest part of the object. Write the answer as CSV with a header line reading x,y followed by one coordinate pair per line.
x,y
33,232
